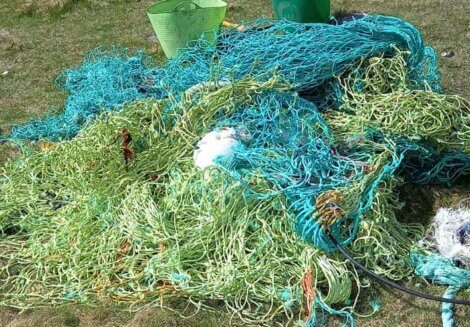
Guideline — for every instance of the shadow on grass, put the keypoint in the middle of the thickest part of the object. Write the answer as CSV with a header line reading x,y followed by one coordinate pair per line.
x,y
418,204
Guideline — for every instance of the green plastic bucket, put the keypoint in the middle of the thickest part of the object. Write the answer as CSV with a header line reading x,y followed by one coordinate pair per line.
x,y
178,21
303,11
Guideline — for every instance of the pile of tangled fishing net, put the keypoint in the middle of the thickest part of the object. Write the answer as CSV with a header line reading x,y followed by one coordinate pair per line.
x,y
323,136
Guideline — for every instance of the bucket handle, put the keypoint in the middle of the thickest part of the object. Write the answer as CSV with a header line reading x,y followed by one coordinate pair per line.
x,y
185,2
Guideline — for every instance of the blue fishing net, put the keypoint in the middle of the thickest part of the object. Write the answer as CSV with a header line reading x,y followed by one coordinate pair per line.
x,y
287,142
423,165
307,55
107,79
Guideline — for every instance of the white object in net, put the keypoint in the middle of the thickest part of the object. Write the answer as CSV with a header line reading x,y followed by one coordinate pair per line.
x,y
214,144
447,224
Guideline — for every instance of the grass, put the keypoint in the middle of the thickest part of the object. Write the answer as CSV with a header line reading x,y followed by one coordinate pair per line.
x,y
39,39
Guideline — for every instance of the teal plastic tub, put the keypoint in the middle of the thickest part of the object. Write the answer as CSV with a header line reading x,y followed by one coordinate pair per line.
x,y
303,11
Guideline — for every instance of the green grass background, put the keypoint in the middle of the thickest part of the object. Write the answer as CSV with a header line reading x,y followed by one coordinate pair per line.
x,y
40,38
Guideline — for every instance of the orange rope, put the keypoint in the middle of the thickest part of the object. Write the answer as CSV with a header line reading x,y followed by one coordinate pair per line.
x,y
309,291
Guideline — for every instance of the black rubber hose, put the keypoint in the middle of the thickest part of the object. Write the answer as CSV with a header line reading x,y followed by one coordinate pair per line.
x,y
393,284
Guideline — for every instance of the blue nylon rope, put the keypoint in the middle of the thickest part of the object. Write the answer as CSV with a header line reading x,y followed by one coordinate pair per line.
x,y
307,55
